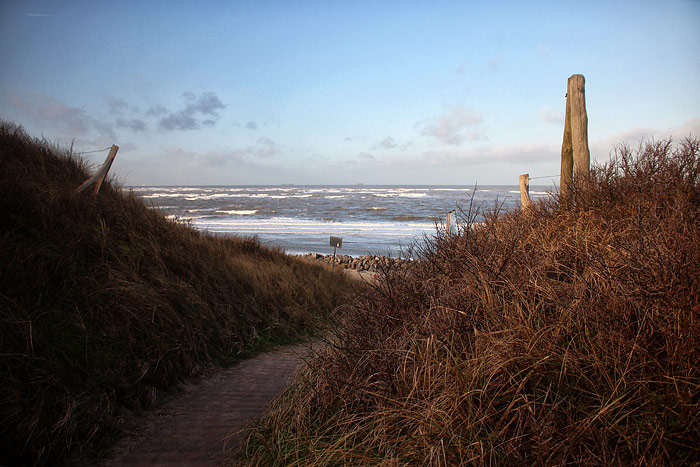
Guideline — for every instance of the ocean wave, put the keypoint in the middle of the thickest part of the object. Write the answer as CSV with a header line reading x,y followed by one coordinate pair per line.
x,y
240,212
401,194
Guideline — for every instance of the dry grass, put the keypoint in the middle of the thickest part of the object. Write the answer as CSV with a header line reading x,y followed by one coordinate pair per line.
x,y
569,335
105,304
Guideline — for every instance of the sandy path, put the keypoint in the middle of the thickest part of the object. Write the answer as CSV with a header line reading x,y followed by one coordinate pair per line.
x,y
204,424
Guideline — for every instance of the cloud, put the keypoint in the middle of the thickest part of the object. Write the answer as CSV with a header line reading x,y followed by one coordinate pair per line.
x,y
550,115
51,112
156,111
386,143
266,147
207,104
134,125
251,125
634,136
451,128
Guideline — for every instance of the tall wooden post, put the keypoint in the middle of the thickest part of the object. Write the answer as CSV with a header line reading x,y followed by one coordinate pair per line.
x,y
575,155
525,191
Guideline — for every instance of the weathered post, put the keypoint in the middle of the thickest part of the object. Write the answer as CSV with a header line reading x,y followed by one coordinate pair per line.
x,y
579,126
575,155
447,226
567,154
525,191
101,174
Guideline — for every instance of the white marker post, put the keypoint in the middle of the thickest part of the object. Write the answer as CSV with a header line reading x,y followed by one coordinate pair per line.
x,y
336,242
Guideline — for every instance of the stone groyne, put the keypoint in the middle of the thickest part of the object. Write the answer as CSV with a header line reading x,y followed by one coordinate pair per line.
x,y
361,263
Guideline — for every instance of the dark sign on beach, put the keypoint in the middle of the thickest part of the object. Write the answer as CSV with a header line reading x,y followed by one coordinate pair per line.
x,y
337,242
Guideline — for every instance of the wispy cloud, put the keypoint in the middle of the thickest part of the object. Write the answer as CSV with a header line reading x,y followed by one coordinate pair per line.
x,y
54,114
455,127
40,15
251,125
550,115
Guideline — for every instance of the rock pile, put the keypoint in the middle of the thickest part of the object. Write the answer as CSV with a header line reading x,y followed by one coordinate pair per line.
x,y
361,263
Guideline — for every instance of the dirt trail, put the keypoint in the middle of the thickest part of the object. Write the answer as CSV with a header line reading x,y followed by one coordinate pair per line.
x,y
203,425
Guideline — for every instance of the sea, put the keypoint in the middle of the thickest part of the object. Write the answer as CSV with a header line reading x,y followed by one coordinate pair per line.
x,y
376,220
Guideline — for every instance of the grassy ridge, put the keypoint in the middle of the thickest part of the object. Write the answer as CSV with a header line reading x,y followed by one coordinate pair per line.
x,y
105,303
566,335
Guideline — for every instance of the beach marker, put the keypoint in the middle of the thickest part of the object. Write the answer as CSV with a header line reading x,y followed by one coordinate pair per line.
x,y
336,242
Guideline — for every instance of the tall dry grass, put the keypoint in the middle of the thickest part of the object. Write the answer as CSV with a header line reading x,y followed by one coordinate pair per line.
x,y
105,304
567,335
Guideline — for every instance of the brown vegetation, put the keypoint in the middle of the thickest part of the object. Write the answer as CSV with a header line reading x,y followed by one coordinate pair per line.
x,y
105,303
567,334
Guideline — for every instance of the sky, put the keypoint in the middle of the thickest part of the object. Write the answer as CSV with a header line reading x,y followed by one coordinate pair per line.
x,y
317,92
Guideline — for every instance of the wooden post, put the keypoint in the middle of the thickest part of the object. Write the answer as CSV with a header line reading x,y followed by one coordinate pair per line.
x,y
525,191
575,155
447,226
579,126
101,174
567,154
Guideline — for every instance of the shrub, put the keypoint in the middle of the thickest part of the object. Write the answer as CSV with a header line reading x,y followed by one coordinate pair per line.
x,y
568,334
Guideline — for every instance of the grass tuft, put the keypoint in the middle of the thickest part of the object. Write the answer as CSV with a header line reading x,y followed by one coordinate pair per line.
x,y
105,304
565,335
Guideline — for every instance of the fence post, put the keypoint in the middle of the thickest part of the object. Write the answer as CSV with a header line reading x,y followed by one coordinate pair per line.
x,y
525,191
579,126
101,174
447,225
575,154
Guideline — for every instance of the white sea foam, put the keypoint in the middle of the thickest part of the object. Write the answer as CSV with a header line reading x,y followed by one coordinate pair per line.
x,y
401,194
240,212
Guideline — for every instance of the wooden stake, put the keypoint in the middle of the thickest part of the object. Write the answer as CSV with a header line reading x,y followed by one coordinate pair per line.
x,y
579,126
575,154
447,226
525,191
101,174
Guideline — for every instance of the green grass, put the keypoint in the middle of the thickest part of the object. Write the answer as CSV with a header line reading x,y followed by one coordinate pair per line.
x,y
566,335
106,304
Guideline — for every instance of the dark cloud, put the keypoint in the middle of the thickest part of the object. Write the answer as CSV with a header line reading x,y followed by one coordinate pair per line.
x,y
251,125
207,104
178,121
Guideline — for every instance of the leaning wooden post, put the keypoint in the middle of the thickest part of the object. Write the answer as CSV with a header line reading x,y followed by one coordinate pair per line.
x,y
101,174
525,192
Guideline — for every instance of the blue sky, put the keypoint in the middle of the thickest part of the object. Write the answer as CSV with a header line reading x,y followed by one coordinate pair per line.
x,y
314,92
